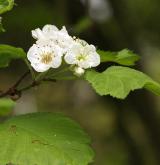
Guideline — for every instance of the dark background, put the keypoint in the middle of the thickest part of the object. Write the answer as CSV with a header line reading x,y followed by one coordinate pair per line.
x,y
123,132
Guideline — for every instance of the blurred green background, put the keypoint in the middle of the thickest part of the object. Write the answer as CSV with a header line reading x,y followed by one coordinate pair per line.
x,y
123,132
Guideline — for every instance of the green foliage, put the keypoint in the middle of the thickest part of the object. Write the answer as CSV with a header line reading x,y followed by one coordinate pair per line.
x,y
6,106
43,138
62,73
8,53
6,5
118,81
123,57
64,76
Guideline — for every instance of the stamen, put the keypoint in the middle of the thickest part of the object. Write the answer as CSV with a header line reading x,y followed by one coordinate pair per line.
x,y
81,57
47,58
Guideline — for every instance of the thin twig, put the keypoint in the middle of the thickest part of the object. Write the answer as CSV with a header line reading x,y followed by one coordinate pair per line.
x,y
33,84
15,93
3,94
31,70
49,79
13,90
21,79
36,83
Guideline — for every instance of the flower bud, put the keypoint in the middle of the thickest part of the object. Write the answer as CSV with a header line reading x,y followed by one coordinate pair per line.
x,y
78,71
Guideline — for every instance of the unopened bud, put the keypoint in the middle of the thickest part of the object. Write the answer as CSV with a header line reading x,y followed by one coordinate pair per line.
x,y
78,71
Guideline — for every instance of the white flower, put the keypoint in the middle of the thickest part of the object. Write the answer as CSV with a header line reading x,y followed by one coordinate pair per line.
x,y
53,43
51,32
44,55
83,55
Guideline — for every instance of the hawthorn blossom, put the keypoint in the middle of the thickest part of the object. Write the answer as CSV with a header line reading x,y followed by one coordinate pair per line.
x,y
82,55
53,43
51,32
44,55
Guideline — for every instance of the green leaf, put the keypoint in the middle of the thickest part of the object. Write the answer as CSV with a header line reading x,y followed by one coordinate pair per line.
x,y
43,138
118,81
6,5
8,53
123,57
6,106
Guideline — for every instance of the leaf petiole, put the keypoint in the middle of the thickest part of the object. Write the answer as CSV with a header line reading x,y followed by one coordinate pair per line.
x,y
31,70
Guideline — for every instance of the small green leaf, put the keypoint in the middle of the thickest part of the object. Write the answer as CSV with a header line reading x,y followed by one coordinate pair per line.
x,y
8,53
44,138
123,57
118,81
6,5
6,106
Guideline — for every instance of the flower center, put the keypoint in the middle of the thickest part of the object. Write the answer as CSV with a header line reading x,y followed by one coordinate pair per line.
x,y
81,57
47,58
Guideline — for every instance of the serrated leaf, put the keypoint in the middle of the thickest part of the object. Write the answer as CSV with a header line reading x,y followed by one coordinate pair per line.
x,y
6,5
43,139
123,57
6,106
118,81
8,53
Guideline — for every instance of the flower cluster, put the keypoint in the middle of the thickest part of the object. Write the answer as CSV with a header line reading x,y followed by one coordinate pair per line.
x,y
53,44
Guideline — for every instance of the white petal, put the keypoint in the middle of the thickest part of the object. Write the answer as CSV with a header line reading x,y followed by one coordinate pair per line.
x,y
58,51
33,53
70,58
77,49
37,34
49,29
56,62
64,30
94,60
34,59
40,67
84,64
81,42
89,49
